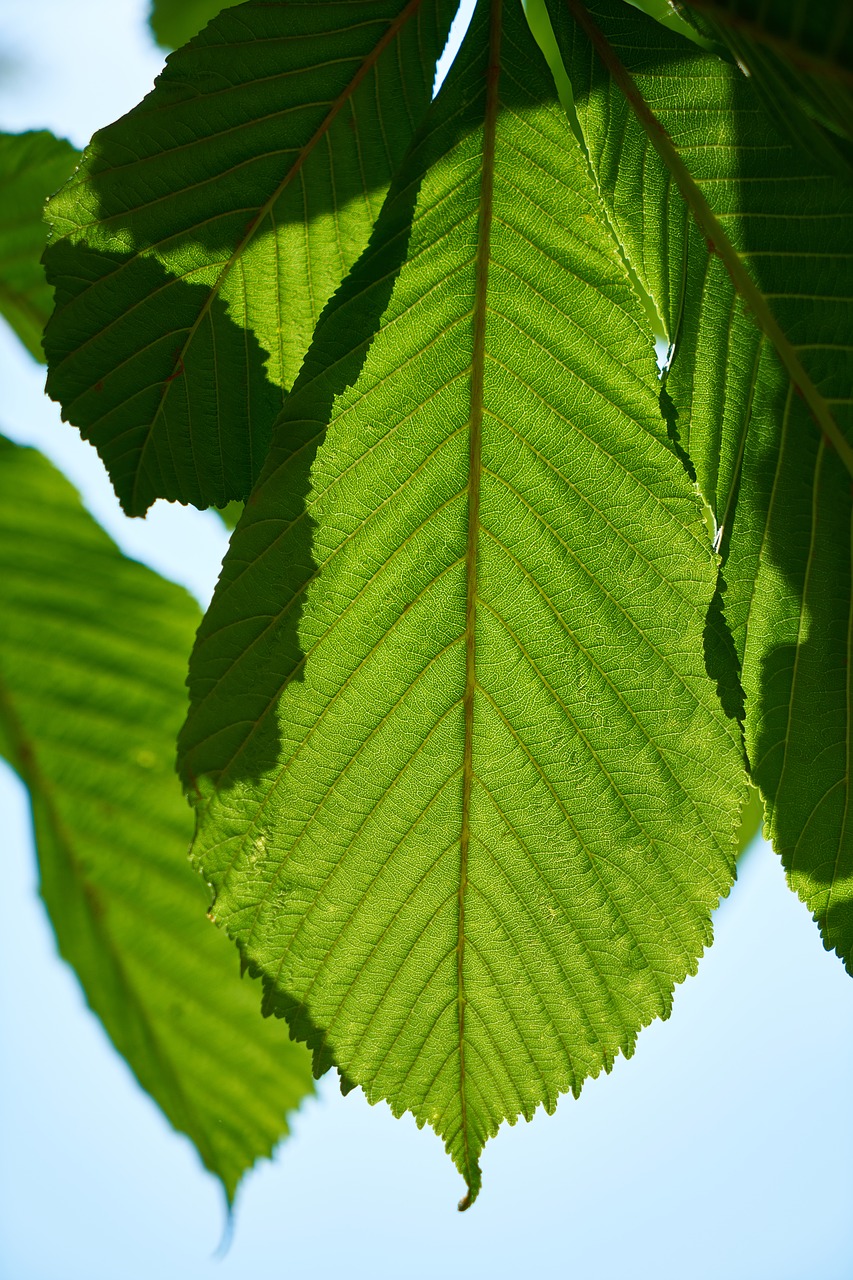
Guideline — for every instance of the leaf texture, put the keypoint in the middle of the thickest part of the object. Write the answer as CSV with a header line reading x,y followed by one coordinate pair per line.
x,y
91,675
205,231
32,166
799,54
465,790
755,404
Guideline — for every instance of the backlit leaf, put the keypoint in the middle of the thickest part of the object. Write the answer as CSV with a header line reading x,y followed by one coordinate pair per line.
x,y
174,22
92,657
32,166
465,790
756,299
799,55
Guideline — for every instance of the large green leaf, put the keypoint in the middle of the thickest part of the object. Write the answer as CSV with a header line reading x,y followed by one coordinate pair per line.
x,y
174,22
32,166
465,791
91,688
747,247
205,231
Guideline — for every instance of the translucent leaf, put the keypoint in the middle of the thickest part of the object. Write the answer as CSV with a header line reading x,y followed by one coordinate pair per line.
x,y
92,652
465,789
754,275
204,232
174,22
32,166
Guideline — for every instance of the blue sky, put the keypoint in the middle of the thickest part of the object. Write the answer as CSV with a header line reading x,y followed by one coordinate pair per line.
x,y
721,1149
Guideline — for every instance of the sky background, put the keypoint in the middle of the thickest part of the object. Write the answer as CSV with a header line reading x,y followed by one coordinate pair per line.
x,y
720,1150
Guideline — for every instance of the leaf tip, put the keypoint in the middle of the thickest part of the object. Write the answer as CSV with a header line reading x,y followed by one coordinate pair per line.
x,y
224,1245
473,1183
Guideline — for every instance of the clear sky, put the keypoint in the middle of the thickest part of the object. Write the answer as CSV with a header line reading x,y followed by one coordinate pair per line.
x,y
720,1150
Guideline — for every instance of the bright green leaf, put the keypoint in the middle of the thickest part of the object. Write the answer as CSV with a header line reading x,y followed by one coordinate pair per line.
x,y
92,660
466,793
206,230
664,11
754,274
231,514
174,22
32,166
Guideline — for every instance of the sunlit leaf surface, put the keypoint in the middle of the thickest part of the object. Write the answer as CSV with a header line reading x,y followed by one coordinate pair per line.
x,y
466,792
92,657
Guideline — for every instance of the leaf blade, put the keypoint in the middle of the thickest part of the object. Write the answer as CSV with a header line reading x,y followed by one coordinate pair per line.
x,y
780,496
32,166
357,739
799,57
174,22
90,695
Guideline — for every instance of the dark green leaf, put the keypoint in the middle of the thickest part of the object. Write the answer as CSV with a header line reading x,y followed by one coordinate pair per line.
x,y
92,661
466,793
799,55
205,231
32,166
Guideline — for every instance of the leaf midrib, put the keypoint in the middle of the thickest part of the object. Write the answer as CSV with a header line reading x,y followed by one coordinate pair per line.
x,y
475,429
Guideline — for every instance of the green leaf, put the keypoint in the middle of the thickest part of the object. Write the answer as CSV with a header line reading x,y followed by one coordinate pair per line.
x,y
91,690
746,247
465,791
174,22
664,12
32,166
205,231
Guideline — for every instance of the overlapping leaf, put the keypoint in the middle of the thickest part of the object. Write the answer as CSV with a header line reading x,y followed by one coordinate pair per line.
x,y
465,790
92,657
32,167
757,302
204,232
